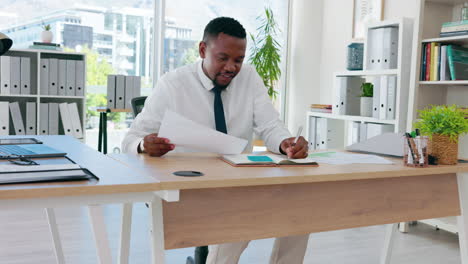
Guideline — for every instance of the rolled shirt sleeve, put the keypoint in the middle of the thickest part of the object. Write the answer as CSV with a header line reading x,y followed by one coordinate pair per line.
x,y
149,120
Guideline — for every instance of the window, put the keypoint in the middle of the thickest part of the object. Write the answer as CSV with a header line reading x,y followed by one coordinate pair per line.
x,y
186,20
117,39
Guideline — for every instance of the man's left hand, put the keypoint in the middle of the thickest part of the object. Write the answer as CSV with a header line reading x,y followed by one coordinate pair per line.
x,y
295,151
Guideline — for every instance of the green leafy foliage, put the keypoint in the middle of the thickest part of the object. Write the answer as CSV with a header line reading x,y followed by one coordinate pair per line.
x,y
367,90
191,55
443,120
94,100
265,52
46,27
97,69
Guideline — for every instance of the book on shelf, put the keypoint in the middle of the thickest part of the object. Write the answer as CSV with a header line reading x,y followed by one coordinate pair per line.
x,y
443,62
45,47
321,108
453,33
454,26
458,62
50,44
325,106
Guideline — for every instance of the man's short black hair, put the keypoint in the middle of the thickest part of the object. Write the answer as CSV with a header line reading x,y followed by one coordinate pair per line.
x,y
226,25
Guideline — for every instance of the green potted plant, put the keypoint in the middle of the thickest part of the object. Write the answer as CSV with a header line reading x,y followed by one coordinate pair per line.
x,y
46,35
443,124
366,99
265,52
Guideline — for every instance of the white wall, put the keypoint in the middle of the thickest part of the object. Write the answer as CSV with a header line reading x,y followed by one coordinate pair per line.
x,y
337,33
304,64
321,31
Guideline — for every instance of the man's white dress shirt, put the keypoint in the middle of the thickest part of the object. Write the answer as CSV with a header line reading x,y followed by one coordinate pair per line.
x,y
187,91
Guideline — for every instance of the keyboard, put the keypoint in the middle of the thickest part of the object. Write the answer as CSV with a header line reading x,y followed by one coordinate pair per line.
x,y
6,150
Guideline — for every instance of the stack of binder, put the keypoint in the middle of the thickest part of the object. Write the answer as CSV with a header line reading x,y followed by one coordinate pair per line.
x,y
23,119
358,132
347,91
62,77
382,51
121,90
384,99
16,125
325,133
15,75
70,118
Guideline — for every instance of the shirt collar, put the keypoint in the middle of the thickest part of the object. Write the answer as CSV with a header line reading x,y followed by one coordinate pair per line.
x,y
207,82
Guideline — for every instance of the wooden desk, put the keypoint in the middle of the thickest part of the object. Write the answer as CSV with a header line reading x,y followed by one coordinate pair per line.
x,y
231,204
117,184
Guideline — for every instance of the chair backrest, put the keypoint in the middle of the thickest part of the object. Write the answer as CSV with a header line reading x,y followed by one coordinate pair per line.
x,y
137,104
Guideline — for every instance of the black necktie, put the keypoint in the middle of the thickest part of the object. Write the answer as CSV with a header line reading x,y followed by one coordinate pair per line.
x,y
219,110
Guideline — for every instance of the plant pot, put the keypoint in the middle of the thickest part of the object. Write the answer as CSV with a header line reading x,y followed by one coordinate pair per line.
x,y
366,106
444,149
47,36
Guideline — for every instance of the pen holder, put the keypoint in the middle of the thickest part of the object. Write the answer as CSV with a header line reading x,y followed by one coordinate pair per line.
x,y
415,152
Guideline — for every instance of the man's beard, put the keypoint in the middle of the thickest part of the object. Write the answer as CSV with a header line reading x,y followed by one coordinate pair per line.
x,y
222,86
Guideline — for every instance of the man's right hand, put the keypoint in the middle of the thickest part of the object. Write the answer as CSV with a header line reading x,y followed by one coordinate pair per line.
x,y
157,146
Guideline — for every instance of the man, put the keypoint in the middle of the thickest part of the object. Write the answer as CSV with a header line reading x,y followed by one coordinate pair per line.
x,y
219,92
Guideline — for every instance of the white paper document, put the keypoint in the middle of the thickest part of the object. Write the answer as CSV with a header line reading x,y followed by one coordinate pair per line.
x,y
186,133
340,158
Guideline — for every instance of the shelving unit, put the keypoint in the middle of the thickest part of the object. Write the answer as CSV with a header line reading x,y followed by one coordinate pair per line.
x,y
352,118
35,80
452,83
343,123
432,14
368,73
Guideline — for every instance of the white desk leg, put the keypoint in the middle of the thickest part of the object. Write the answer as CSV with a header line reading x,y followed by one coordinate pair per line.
x,y
157,231
462,179
55,235
390,232
404,226
125,233
100,234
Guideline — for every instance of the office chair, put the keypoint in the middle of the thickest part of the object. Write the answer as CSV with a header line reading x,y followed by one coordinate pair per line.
x,y
201,253
137,104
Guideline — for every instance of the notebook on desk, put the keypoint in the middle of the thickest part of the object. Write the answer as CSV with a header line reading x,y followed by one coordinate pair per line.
x,y
30,151
270,160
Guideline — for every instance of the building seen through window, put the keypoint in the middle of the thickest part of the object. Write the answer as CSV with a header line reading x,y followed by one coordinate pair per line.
x,y
117,37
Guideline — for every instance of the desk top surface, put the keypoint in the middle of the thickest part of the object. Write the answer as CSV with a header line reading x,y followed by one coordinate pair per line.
x,y
114,177
218,173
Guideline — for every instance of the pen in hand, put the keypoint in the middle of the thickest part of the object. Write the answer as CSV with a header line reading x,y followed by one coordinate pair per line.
x,y
299,131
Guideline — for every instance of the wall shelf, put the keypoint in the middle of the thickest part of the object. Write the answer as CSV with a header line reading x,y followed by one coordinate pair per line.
x,y
464,82
449,40
351,118
368,73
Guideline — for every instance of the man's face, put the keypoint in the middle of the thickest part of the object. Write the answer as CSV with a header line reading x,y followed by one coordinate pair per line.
x,y
222,58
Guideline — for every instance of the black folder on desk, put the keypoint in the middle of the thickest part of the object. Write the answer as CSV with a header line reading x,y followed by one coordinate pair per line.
x,y
14,177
